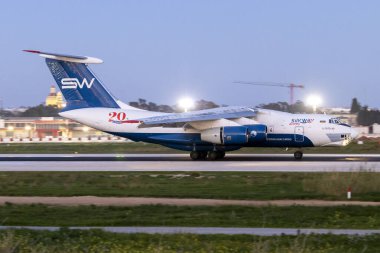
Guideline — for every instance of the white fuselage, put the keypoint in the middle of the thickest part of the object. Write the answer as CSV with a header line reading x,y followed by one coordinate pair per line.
x,y
318,128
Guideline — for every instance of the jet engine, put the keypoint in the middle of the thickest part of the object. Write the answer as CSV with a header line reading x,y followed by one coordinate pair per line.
x,y
235,135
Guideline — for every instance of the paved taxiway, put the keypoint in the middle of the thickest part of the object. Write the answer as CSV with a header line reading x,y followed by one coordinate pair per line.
x,y
212,230
182,162
137,201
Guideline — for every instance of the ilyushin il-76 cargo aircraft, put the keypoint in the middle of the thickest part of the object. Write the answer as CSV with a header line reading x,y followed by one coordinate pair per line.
x,y
206,134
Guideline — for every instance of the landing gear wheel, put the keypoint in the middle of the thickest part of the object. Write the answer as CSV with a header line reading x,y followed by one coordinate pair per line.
x,y
221,154
203,155
298,155
195,155
213,155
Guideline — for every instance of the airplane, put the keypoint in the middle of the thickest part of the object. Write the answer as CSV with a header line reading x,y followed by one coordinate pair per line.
x,y
206,134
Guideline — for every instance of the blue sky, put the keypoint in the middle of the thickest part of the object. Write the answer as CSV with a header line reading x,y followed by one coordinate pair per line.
x,y
162,50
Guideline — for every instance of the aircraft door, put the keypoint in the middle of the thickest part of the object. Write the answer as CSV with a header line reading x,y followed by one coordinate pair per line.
x,y
299,134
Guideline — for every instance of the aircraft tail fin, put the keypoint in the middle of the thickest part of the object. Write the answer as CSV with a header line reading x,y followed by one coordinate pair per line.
x,y
79,86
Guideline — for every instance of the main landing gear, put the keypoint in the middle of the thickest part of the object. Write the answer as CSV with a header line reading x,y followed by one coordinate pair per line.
x,y
298,155
202,155
198,155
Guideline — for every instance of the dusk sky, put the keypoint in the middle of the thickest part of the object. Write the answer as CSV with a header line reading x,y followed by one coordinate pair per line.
x,y
163,50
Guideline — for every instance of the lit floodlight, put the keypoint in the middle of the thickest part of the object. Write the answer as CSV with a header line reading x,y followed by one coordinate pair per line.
x,y
186,103
85,129
314,101
10,128
28,128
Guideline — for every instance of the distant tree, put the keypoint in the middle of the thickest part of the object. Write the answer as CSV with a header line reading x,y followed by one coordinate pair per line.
x,y
279,106
142,101
4,113
150,106
297,107
204,104
368,117
141,104
362,116
300,107
41,111
355,106
134,104
165,108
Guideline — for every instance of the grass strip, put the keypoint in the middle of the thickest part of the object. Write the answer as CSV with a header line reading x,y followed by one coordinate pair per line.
x,y
370,147
97,241
365,185
83,148
204,216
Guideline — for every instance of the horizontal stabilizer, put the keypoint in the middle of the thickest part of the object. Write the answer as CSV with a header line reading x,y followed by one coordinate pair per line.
x,y
67,58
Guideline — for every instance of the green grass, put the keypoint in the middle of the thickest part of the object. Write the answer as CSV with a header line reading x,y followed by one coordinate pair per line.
x,y
371,147
219,185
83,148
70,241
204,216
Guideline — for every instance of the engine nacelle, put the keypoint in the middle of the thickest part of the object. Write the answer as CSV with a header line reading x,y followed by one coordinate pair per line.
x,y
257,133
213,135
235,135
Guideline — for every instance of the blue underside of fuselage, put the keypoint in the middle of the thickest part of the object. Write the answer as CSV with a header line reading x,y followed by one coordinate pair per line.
x,y
192,141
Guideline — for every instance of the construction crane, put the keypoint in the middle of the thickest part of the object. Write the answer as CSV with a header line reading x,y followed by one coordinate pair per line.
x,y
291,86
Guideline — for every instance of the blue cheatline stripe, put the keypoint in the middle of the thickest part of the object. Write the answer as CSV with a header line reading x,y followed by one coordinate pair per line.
x,y
186,141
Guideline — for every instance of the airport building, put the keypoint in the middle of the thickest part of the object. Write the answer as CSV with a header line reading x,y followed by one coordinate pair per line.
x,y
37,129
48,129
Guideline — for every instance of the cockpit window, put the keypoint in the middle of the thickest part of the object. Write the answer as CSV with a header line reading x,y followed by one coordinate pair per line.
x,y
339,121
335,121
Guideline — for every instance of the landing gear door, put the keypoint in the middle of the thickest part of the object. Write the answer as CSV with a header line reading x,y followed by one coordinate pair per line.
x,y
299,134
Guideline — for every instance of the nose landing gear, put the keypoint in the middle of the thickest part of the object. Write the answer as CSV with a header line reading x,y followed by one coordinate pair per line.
x,y
298,155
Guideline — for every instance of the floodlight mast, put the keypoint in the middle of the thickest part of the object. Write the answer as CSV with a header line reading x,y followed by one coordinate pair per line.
x,y
186,103
291,87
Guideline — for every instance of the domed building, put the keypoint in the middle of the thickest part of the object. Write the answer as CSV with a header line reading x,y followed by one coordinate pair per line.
x,y
55,98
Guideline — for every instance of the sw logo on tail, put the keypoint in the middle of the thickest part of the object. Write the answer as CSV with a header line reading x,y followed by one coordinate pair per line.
x,y
73,83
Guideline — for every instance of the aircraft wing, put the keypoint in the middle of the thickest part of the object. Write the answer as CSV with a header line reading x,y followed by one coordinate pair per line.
x,y
231,112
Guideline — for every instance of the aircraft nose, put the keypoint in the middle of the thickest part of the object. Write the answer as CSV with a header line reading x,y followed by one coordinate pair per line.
x,y
354,134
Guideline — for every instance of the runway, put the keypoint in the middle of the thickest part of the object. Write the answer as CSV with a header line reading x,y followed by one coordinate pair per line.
x,y
212,230
182,162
